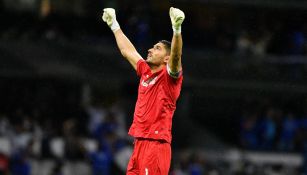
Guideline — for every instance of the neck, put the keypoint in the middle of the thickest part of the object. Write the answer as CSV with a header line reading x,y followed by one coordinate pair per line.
x,y
156,68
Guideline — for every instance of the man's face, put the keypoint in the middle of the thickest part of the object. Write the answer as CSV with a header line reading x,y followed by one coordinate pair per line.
x,y
157,55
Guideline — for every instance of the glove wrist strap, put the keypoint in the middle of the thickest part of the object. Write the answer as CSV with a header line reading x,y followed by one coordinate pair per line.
x,y
177,30
115,26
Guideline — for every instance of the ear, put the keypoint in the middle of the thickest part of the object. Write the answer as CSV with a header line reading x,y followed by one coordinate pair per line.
x,y
166,58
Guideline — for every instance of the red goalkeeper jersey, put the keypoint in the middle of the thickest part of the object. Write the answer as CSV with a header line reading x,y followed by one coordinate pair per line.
x,y
156,103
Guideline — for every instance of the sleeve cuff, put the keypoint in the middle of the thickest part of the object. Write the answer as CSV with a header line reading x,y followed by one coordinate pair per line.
x,y
173,74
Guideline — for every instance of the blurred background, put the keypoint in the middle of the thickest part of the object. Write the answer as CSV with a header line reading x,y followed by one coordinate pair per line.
x,y
67,96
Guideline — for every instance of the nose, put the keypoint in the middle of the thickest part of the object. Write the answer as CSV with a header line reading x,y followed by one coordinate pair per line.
x,y
150,50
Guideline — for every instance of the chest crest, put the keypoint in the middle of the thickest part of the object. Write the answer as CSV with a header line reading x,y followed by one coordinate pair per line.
x,y
149,81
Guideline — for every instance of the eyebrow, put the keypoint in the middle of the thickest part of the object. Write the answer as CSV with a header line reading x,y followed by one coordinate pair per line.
x,y
157,46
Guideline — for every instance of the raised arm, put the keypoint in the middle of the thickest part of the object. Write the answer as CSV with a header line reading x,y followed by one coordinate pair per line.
x,y
174,63
125,46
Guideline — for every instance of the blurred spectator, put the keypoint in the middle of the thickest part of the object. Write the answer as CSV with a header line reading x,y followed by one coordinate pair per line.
x,y
4,164
268,130
97,115
57,169
4,125
20,164
107,127
303,134
181,166
297,43
249,131
288,131
243,44
73,146
196,165
46,140
21,136
45,8
249,45
101,160
119,114
304,166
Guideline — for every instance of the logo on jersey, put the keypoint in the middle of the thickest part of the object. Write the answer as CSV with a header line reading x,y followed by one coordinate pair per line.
x,y
150,81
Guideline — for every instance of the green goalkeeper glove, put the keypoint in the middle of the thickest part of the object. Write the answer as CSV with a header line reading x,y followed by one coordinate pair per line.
x,y
177,17
109,17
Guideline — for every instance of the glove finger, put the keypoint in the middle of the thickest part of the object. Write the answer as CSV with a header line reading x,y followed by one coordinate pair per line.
x,y
107,18
179,19
104,17
179,14
106,9
171,11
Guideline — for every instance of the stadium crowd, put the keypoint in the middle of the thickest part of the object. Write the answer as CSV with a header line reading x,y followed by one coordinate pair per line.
x,y
269,127
247,31
30,129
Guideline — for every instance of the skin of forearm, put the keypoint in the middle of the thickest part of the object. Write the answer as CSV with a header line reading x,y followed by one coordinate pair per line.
x,y
123,43
176,52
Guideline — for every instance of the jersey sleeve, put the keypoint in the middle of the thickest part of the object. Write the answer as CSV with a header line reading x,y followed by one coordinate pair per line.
x,y
141,67
174,84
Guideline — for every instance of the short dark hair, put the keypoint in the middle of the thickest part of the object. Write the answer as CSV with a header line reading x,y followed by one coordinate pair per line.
x,y
167,45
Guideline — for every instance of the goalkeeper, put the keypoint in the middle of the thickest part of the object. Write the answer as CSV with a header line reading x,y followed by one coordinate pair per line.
x,y
159,88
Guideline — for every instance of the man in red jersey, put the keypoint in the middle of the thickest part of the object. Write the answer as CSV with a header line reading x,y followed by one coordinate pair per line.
x,y
159,88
